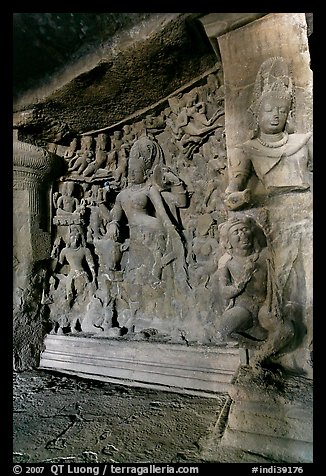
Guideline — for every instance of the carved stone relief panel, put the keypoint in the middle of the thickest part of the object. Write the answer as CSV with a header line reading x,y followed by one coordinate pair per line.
x,y
189,223
159,234
135,219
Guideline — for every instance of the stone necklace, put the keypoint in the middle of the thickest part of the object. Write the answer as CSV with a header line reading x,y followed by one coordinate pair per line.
x,y
274,145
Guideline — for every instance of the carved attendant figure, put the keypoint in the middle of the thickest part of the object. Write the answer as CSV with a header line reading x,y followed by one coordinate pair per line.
x,y
68,211
247,282
243,275
71,151
100,156
77,256
66,203
83,157
191,125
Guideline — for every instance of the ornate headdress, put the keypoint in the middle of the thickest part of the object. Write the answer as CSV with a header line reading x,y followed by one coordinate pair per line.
x,y
273,77
147,149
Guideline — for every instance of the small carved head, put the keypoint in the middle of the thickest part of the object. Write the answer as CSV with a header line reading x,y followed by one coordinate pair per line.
x,y
86,142
101,139
69,188
117,134
244,227
126,129
76,236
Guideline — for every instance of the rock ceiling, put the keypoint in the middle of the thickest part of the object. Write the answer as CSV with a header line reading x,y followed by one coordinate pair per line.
x,y
75,72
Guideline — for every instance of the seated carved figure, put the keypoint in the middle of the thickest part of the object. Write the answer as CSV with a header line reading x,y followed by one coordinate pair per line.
x,y
83,157
69,211
247,282
65,202
71,150
100,156
243,276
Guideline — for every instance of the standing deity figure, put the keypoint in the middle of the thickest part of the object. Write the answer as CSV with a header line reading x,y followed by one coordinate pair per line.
x,y
148,204
78,257
282,161
143,202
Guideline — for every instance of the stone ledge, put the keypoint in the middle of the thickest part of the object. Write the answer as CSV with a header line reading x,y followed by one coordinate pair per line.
x,y
198,370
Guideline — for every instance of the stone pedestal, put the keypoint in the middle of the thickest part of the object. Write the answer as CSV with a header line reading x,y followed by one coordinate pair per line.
x,y
273,422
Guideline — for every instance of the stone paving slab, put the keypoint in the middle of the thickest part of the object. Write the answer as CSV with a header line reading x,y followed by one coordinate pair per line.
x,y
71,419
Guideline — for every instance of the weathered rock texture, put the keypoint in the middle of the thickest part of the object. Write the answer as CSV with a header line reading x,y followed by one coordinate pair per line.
x,y
271,416
136,228
150,206
64,419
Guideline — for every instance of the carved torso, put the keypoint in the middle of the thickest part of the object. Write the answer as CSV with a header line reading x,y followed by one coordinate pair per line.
x,y
256,286
282,168
135,202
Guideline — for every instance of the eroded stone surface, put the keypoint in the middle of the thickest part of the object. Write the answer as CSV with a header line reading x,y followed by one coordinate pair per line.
x,y
58,418
62,419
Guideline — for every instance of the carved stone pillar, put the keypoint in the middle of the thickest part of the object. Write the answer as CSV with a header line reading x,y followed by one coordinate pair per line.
x,y
34,168
263,58
243,51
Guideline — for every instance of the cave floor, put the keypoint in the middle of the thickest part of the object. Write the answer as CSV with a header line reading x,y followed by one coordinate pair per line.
x,y
60,418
